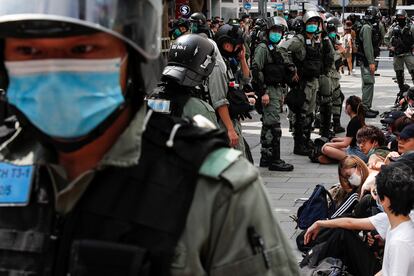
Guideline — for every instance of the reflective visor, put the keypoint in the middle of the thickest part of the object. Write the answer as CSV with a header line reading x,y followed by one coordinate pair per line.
x,y
137,22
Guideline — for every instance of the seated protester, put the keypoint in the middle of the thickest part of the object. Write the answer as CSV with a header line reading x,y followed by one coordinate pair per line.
x,y
407,103
395,187
405,145
352,172
371,141
339,147
398,126
390,123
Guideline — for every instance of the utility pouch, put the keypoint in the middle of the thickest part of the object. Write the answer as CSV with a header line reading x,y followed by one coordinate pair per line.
x,y
92,257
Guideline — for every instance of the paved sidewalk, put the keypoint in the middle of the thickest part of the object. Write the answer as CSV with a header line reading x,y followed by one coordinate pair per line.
x,y
285,187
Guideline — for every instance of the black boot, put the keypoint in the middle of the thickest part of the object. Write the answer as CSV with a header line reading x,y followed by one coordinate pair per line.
x,y
276,163
264,162
400,79
325,115
337,128
300,147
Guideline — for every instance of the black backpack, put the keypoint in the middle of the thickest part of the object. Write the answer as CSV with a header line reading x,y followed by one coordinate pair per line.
x,y
315,208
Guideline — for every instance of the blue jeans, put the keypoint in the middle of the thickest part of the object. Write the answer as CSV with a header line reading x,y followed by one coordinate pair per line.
x,y
354,150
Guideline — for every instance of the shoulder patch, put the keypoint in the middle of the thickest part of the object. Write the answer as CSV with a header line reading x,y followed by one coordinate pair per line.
x,y
217,161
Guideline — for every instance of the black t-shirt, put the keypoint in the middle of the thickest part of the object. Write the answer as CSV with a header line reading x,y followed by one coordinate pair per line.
x,y
351,130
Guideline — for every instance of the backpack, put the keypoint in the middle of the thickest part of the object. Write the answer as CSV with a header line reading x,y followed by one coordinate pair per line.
x,y
315,208
327,267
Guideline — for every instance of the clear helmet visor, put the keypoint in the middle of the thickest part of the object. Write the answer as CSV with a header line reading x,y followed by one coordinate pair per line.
x,y
137,22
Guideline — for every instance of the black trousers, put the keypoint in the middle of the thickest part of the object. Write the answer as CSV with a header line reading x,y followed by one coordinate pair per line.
x,y
355,254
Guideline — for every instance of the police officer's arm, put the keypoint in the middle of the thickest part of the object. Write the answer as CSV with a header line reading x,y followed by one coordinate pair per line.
x,y
366,34
328,54
259,60
246,238
244,67
217,84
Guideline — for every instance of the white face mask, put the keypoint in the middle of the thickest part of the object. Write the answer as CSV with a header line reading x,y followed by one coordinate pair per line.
x,y
355,179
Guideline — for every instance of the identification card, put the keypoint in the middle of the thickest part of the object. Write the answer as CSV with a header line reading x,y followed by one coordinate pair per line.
x,y
15,184
162,106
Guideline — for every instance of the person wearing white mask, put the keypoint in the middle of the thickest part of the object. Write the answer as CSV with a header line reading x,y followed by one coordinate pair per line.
x,y
395,192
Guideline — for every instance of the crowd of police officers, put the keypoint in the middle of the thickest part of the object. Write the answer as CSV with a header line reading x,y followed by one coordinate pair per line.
x,y
126,173
297,60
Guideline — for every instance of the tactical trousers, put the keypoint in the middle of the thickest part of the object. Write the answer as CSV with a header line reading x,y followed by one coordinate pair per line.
x,y
325,104
304,119
337,97
399,61
270,120
368,82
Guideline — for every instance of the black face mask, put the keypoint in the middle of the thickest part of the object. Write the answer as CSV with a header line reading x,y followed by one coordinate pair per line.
x,y
401,21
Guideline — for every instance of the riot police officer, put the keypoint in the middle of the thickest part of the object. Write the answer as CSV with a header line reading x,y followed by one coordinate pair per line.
x,y
191,60
311,54
198,24
270,72
400,39
104,187
230,42
368,41
180,27
337,96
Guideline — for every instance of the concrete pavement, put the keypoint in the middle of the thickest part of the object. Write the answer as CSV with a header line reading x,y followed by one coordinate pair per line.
x,y
285,187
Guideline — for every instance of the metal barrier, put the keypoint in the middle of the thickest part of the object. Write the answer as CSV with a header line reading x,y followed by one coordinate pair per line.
x,y
165,46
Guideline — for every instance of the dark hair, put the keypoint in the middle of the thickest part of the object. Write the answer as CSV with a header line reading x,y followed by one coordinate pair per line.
x,y
400,124
396,181
371,133
355,103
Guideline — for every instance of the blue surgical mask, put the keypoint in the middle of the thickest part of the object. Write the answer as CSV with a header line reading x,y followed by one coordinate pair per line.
x,y
275,37
286,17
194,28
177,33
65,98
311,28
332,35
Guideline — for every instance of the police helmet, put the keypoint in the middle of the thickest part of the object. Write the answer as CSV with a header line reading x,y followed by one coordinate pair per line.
x,y
332,24
228,33
260,23
401,13
298,26
277,21
372,13
182,22
138,23
198,18
312,15
233,22
191,60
